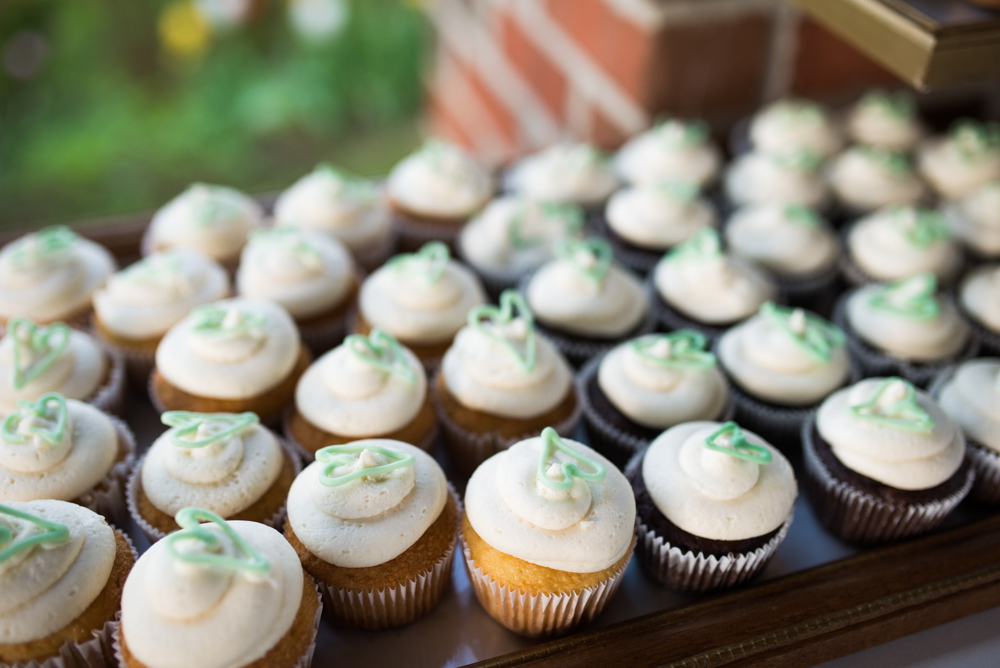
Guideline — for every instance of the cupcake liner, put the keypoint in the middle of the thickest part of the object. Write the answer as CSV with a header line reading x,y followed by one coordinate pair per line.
x,y
989,341
387,608
107,497
322,336
276,521
372,258
540,615
858,517
413,234
110,397
307,456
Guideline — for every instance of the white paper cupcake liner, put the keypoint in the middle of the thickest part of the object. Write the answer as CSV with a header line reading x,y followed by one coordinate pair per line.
x,y
320,337
107,498
110,397
858,517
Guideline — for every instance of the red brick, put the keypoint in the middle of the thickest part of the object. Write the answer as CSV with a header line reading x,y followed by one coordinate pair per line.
x,y
443,122
499,114
540,73
828,67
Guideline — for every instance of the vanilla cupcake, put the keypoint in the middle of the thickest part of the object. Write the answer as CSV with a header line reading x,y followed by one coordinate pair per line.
x,y
975,220
885,120
368,387
56,448
515,235
374,521
232,356
904,328
420,298
644,386
501,382
214,220
791,125
671,150
343,206
218,594
62,569
789,177
228,464
979,299
571,173
35,360
783,362
50,275
644,220
139,304
713,503
697,286
584,303
433,192
896,242
883,461
547,534
864,178
965,159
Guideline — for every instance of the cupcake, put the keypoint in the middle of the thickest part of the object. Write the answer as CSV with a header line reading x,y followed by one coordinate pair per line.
x,y
62,569
584,303
782,362
218,594
644,386
369,387
791,124
883,461
374,522
713,503
671,150
57,448
899,241
644,221
979,299
975,220
513,236
965,159
343,206
50,276
697,286
311,275
793,243
547,534
500,383
886,120
904,328
214,220
789,177
570,173
228,464
433,192
35,360
421,299
231,356
864,178
140,303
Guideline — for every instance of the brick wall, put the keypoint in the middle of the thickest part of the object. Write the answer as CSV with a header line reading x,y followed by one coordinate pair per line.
x,y
512,75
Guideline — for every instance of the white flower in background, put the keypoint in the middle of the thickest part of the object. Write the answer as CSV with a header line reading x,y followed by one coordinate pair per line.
x,y
224,14
316,20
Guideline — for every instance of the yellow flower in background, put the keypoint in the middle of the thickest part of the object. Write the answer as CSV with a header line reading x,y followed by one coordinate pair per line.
x,y
184,32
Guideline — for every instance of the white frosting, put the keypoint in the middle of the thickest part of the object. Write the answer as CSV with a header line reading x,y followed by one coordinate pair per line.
x,y
305,272
880,120
975,219
371,519
482,374
653,216
671,150
767,362
980,295
794,125
564,173
971,397
712,494
659,397
76,374
713,290
66,470
880,245
43,589
864,179
955,166
50,286
775,237
902,459
440,180
516,234
149,297
765,178
345,395
415,310
212,219
225,477
176,615
585,530
561,296
231,366
921,340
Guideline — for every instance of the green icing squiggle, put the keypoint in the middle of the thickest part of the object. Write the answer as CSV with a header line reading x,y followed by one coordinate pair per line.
x,y
551,441
186,425
48,343
190,519
512,305
42,409
54,533
334,456
730,440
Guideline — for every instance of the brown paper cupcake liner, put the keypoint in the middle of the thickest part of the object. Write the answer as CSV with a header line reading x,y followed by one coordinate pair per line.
x,y
858,517
276,521
412,233
107,498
